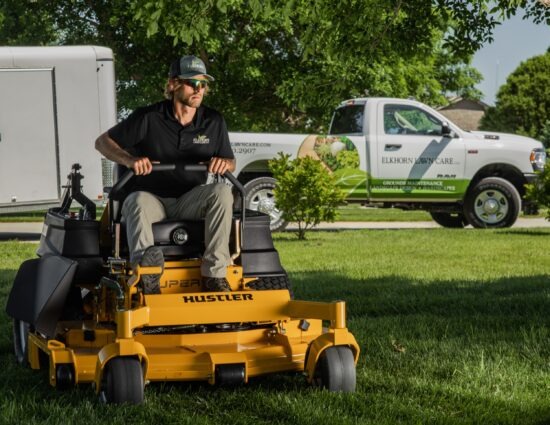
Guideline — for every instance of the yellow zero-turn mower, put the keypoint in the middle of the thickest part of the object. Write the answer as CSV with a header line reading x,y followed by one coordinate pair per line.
x,y
80,311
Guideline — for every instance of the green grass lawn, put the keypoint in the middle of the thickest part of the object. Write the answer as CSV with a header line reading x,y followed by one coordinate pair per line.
x,y
453,325
356,212
349,212
27,217
34,216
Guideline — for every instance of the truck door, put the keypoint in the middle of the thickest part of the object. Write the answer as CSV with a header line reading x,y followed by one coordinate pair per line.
x,y
28,159
345,151
415,161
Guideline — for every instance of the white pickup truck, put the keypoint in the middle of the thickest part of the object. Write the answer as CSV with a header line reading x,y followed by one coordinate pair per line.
x,y
401,153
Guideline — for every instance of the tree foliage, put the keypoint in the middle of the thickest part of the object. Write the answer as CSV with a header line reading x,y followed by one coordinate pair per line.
x,y
523,102
545,134
279,65
306,192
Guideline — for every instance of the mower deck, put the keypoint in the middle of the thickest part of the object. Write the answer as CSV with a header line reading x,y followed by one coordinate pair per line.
x,y
262,331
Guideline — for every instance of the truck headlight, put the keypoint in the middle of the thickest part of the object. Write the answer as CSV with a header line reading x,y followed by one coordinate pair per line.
x,y
538,159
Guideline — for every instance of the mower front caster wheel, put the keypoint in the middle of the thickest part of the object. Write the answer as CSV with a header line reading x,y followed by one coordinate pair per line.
x,y
64,376
122,381
335,370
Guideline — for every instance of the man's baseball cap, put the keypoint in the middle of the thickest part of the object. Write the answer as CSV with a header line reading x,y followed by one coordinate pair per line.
x,y
188,67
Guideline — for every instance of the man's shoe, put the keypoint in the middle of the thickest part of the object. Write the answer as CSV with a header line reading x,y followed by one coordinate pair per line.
x,y
215,284
152,257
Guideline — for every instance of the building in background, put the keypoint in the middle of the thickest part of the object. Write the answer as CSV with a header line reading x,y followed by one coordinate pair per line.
x,y
466,113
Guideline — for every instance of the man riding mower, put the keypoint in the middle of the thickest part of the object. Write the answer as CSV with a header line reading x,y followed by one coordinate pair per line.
x,y
82,312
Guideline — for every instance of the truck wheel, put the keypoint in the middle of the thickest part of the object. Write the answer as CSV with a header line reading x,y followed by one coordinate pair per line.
x,y
122,381
260,197
21,341
492,203
450,220
271,283
335,369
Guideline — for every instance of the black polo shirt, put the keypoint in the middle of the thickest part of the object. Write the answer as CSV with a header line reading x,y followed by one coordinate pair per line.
x,y
154,132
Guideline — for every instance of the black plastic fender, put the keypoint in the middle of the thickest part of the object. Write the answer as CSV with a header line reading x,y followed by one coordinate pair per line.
x,y
39,292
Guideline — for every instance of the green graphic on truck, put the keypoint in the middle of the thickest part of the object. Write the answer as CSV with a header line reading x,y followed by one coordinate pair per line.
x,y
340,157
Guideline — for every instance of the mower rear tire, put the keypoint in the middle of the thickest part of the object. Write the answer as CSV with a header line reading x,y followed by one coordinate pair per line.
x,y
123,381
21,342
270,283
335,370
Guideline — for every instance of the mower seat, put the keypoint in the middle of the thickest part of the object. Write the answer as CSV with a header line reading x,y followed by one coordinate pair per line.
x,y
178,239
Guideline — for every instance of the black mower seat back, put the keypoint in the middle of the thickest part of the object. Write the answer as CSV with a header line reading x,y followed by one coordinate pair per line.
x,y
178,239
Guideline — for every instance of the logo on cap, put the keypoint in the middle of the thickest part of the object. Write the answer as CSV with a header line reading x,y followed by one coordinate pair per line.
x,y
188,67
197,64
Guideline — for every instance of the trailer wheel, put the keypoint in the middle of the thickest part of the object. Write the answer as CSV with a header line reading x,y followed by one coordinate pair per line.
x,y
271,283
492,203
451,221
335,370
21,341
122,381
260,197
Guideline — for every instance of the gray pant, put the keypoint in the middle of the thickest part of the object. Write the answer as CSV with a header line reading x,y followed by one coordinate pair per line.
x,y
211,202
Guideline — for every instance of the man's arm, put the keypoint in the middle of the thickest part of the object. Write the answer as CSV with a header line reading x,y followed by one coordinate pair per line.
x,y
111,150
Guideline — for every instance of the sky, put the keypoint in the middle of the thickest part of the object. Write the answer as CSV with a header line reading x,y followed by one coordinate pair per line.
x,y
515,40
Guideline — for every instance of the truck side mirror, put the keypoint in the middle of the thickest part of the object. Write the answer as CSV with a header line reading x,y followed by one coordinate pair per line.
x,y
446,130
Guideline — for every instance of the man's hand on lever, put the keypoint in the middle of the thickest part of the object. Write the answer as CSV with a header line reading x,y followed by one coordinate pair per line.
x,y
142,166
221,165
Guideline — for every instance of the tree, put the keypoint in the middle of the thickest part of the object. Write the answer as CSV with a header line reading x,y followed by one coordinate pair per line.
x,y
545,134
523,102
281,66
25,23
306,192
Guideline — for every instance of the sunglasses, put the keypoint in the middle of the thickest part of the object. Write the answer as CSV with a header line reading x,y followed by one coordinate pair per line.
x,y
194,83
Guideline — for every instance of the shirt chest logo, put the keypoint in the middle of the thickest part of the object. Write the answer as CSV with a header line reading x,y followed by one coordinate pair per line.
x,y
201,140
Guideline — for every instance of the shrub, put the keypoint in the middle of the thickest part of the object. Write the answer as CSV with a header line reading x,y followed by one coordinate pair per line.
x,y
306,191
539,191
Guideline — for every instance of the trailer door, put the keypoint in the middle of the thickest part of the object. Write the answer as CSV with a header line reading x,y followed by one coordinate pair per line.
x,y
29,170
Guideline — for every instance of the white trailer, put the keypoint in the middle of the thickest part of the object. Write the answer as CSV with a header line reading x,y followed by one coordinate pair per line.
x,y
54,102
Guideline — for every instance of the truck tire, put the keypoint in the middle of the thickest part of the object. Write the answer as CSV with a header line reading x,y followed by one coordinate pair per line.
x,y
492,202
449,220
260,197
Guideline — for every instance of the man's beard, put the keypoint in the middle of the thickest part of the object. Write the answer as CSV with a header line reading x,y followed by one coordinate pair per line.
x,y
187,101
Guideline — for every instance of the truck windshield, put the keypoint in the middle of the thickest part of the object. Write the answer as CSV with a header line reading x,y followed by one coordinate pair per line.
x,y
348,120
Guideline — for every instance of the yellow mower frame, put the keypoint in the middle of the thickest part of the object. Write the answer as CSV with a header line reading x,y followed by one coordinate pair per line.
x,y
291,336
